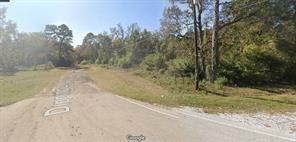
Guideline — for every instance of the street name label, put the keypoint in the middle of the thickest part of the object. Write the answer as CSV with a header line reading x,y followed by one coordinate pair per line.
x,y
61,105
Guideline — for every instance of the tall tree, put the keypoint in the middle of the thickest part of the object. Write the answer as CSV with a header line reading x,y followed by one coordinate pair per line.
x,y
9,55
62,34
196,46
215,41
89,48
197,18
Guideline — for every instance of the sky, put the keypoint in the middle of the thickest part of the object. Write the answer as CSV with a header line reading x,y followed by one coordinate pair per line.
x,y
83,16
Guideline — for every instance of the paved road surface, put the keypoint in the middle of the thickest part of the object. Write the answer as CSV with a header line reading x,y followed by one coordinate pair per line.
x,y
99,116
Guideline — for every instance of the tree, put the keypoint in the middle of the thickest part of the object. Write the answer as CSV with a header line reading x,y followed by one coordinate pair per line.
x,y
33,48
175,21
117,33
144,45
197,79
105,52
215,41
62,34
197,18
263,35
118,42
89,48
9,55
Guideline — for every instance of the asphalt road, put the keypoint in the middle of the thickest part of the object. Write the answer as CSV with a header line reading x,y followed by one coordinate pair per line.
x,y
77,111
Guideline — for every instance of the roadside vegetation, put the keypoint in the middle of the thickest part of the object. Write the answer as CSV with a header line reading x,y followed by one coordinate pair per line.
x,y
25,84
256,45
28,60
129,84
246,61
27,51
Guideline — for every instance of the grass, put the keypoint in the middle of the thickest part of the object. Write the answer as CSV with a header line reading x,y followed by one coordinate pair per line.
x,y
25,84
133,86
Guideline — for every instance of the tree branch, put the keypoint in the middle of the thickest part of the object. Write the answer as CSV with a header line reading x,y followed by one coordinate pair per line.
x,y
238,19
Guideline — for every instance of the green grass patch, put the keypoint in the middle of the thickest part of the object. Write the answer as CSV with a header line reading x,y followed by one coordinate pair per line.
x,y
133,86
25,84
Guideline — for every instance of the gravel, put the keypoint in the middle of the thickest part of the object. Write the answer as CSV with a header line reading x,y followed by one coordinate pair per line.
x,y
283,123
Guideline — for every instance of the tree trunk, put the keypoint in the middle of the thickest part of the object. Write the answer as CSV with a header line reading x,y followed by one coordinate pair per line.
x,y
196,49
60,51
215,41
200,44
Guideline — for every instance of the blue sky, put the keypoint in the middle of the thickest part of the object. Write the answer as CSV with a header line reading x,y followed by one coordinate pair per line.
x,y
83,16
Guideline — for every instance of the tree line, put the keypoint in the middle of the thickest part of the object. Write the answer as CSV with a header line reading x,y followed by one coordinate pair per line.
x,y
241,42
238,41
22,51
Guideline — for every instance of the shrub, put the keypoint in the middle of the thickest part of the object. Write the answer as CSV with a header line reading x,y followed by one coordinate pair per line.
x,y
8,70
221,81
49,66
154,62
256,64
203,84
86,62
124,62
40,67
181,67
98,61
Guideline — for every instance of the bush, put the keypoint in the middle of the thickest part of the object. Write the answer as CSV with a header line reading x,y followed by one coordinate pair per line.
x,y
49,66
221,81
259,64
124,62
98,61
181,67
154,62
203,84
39,67
8,70
85,62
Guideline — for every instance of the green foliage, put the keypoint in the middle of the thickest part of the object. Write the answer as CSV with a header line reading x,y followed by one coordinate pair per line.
x,y
62,37
258,47
154,62
181,67
8,59
50,66
221,81
144,45
257,51
259,64
8,50
97,61
203,84
88,50
124,62
86,62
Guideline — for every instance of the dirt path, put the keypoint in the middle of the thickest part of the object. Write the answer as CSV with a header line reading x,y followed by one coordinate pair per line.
x,y
98,116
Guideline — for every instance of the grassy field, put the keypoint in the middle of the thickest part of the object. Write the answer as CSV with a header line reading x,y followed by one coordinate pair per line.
x,y
236,99
25,84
